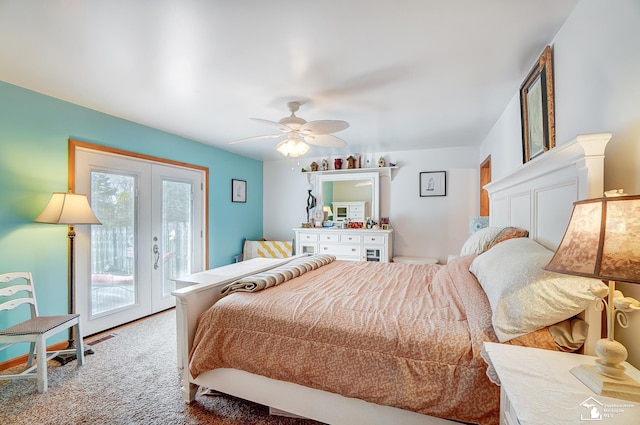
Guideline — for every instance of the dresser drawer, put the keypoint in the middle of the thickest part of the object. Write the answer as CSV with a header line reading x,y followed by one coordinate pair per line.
x,y
329,237
340,250
350,238
374,239
308,237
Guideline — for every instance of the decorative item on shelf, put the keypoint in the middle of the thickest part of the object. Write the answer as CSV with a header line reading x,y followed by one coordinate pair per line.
x,y
384,223
337,163
393,164
355,225
314,166
381,162
305,225
477,222
351,162
325,165
601,242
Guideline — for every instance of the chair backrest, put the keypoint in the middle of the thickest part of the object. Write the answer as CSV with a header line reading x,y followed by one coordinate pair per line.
x,y
24,286
267,249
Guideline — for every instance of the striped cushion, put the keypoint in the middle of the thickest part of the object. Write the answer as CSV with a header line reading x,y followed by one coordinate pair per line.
x,y
267,249
278,275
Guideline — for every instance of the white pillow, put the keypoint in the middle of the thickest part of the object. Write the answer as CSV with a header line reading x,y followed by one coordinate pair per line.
x,y
477,243
523,296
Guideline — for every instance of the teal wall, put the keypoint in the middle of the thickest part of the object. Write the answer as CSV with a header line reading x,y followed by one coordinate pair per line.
x,y
34,133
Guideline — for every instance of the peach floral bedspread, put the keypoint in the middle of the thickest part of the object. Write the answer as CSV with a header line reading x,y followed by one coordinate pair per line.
x,y
401,335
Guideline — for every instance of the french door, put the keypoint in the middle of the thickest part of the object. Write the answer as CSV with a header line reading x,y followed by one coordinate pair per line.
x,y
152,231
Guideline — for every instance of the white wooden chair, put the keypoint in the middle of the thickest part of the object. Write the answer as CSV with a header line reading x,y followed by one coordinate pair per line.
x,y
35,330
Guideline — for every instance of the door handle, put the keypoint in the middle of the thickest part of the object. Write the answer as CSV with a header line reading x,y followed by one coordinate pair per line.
x,y
156,251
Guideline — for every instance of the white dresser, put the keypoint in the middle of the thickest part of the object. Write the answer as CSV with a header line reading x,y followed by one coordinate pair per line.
x,y
346,244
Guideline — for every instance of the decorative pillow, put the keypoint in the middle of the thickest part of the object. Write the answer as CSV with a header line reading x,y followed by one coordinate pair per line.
x,y
523,296
508,233
477,243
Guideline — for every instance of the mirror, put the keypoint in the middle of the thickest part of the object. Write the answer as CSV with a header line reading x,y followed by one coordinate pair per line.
x,y
349,187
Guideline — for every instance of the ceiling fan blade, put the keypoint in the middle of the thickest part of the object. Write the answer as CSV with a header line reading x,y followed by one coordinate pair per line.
x,y
323,126
325,140
274,124
248,139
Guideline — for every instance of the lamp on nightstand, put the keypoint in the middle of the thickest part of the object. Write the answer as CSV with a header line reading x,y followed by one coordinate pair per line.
x,y
602,241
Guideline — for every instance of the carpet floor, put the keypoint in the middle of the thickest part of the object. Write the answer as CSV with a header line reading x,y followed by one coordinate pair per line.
x,y
131,379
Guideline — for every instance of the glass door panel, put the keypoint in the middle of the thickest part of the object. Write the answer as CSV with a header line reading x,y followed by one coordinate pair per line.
x,y
113,283
177,240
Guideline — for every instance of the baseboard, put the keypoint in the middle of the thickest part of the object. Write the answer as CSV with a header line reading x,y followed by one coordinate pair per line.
x,y
16,361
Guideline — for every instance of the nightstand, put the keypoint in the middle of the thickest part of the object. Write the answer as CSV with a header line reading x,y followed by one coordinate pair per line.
x,y
537,387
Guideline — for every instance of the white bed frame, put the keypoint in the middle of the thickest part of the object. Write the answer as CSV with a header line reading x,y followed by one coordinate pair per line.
x,y
537,196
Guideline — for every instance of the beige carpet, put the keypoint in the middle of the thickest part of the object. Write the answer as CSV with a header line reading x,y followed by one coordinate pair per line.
x,y
131,379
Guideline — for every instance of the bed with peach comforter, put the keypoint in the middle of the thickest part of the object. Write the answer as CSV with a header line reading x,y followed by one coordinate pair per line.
x,y
402,335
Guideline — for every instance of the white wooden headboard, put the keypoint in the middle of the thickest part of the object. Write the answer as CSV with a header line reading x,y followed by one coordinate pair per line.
x,y
539,196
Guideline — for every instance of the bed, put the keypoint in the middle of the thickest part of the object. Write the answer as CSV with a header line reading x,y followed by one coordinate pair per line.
x,y
441,317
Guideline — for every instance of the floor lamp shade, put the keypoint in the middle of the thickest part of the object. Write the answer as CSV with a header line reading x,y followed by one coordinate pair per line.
x,y
67,208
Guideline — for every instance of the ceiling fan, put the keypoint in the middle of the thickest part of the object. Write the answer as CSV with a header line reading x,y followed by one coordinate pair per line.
x,y
296,131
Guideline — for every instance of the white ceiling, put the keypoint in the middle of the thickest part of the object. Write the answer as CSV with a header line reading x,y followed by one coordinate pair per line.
x,y
406,74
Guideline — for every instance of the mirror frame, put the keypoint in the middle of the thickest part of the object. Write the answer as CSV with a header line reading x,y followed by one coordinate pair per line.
x,y
337,177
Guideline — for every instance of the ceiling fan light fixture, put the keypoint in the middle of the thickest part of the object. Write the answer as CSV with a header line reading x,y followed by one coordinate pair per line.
x,y
292,147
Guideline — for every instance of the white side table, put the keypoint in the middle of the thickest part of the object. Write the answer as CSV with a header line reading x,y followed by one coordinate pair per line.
x,y
538,388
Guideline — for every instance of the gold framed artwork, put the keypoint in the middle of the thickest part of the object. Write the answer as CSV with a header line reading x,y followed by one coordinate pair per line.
x,y
537,109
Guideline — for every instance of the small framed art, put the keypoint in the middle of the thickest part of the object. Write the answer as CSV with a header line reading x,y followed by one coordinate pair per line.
x,y
537,108
238,190
433,183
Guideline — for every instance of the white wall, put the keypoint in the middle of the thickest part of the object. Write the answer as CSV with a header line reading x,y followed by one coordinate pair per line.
x,y
429,226
597,89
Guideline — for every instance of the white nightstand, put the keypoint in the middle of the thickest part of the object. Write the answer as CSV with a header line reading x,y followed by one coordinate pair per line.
x,y
538,388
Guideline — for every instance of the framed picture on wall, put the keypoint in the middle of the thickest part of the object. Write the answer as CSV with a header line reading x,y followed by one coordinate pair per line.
x,y
536,108
238,190
433,183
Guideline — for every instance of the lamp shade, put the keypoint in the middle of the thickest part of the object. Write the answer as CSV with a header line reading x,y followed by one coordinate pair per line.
x,y
67,208
602,240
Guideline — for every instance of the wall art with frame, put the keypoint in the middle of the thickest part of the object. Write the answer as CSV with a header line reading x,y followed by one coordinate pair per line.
x,y
433,183
537,108
238,190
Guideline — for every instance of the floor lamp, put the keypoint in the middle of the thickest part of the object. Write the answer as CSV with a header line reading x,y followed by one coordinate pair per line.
x,y
70,209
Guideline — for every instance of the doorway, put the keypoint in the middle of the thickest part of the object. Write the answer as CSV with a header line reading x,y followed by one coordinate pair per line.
x,y
485,178
153,231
